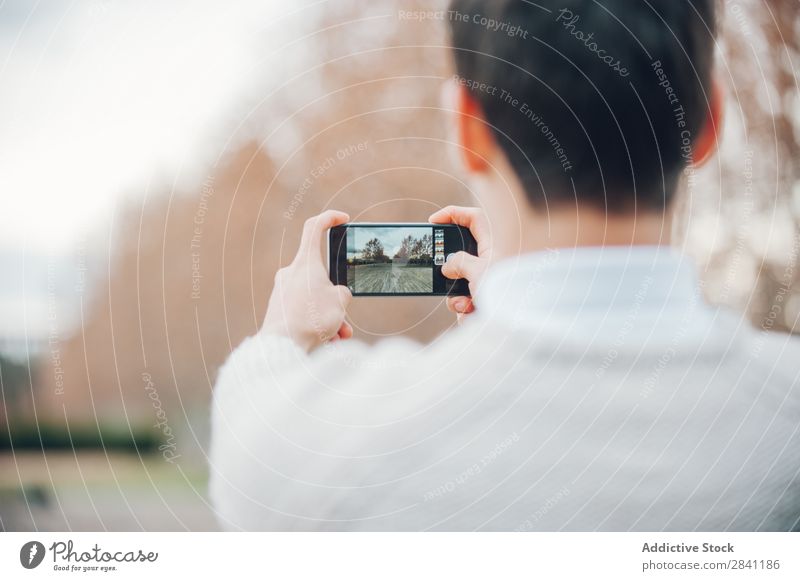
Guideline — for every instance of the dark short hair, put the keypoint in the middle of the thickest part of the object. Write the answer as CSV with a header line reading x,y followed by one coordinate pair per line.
x,y
607,95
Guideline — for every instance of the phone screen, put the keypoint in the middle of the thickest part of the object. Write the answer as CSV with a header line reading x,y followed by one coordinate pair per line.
x,y
397,259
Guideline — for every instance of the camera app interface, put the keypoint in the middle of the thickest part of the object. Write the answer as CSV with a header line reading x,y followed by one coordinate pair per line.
x,y
398,260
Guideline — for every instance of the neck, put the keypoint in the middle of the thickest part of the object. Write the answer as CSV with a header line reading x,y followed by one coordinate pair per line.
x,y
575,227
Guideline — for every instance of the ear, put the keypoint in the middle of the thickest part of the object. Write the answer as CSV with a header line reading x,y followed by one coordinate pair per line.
x,y
707,142
477,142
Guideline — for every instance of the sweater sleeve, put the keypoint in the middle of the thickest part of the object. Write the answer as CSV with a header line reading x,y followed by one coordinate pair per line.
x,y
285,425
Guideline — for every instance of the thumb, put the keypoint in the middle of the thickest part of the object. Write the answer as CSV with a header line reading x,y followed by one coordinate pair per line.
x,y
463,265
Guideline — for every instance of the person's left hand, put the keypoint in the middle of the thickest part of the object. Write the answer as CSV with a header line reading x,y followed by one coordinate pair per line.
x,y
305,305
462,264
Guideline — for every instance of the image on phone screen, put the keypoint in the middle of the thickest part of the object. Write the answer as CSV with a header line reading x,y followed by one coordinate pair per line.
x,y
396,259
390,260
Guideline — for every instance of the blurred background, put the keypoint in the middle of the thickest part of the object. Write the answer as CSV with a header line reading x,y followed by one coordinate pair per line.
x,y
157,161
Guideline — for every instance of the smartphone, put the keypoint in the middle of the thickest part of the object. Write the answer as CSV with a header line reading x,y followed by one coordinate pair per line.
x,y
379,260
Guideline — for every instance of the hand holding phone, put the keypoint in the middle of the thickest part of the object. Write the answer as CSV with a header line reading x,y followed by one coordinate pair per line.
x,y
304,305
464,265
307,308
380,259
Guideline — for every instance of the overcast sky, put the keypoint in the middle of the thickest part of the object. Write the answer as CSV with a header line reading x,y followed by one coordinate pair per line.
x,y
100,100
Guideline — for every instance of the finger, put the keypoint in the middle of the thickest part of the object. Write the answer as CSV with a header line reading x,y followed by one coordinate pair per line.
x,y
314,230
463,265
460,305
345,296
345,331
473,218
461,215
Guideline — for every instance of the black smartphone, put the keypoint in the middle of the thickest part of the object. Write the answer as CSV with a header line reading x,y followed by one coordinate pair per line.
x,y
378,260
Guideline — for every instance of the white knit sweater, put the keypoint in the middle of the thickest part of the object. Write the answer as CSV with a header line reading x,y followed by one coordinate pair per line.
x,y
592,390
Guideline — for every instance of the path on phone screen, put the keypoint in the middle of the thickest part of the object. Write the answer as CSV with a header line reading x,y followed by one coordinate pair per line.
x,y
387,278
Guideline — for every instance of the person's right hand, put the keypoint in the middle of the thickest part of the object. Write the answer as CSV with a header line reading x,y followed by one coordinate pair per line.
x,y
463,264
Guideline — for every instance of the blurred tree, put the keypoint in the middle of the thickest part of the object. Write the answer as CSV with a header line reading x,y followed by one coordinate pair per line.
x,y
740,216
15,389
